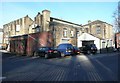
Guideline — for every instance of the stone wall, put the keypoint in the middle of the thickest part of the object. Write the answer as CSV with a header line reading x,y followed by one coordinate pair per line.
x,y
16,27
58,28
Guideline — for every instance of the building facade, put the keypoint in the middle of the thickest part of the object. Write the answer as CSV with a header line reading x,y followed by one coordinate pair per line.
x,y
87,38
101,30
117,40
1,37
63,31
16,27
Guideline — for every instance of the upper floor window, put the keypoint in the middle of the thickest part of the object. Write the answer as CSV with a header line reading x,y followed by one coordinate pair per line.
x,y
37,28
21,21
98,30
17,27
64,32
9,27
78,33
86,30
72,33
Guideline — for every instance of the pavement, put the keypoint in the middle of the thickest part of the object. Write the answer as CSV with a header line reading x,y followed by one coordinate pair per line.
x,y
98,67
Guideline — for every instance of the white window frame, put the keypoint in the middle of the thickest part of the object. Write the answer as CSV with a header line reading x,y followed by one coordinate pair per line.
x,y
18,28
65,32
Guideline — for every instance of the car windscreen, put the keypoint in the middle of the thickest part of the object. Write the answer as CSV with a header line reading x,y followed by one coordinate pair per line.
x,y
69,47
93,45
46,48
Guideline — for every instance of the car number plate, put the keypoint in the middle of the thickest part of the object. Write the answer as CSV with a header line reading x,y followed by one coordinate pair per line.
x,y
55,51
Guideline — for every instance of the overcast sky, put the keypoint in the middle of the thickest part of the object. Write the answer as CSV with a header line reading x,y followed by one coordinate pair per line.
x,y
76,12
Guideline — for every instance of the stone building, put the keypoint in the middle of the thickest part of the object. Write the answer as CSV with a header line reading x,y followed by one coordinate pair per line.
x,y
16,27
63,31
101,30
41,22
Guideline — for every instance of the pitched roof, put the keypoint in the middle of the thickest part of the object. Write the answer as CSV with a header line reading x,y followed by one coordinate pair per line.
x,y
96,36
18,19
65,21
97,21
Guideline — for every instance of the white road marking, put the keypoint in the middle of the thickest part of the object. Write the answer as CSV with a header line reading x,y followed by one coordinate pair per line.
x,y
2,78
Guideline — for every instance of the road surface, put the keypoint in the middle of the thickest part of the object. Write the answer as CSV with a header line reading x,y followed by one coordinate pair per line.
x,y
99,67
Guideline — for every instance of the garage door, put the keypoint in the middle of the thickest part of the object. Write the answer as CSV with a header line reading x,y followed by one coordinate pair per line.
x,y
87,42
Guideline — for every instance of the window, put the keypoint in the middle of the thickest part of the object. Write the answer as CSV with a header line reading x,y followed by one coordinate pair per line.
x,y
64,32
17,27
21,21
72,33
80,29
86,30
98,30
17,21
11,27
37,28
78,33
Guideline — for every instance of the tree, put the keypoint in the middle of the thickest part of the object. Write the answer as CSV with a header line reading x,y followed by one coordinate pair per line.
x,y
116,16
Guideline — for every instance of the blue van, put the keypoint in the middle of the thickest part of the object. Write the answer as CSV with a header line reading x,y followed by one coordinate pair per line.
x,y
65,49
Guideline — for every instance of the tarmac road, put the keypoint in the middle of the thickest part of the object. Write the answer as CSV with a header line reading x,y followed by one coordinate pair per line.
x,y
99,67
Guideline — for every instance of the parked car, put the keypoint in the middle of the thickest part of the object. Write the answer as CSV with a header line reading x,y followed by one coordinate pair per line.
x,y
91,48
76,50
66,49
46,52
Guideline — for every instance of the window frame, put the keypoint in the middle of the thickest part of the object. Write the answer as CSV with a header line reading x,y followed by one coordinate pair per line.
x,y
64,32
98,30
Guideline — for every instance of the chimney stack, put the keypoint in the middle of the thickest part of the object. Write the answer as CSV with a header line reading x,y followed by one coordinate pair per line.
x,y
45,20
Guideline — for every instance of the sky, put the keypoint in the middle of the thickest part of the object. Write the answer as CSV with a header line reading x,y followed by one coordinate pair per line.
x,y
76,12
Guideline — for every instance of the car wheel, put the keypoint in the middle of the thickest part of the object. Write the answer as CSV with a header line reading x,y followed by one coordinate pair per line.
x,y
46,56
62,55
88,52
35,54
59,54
